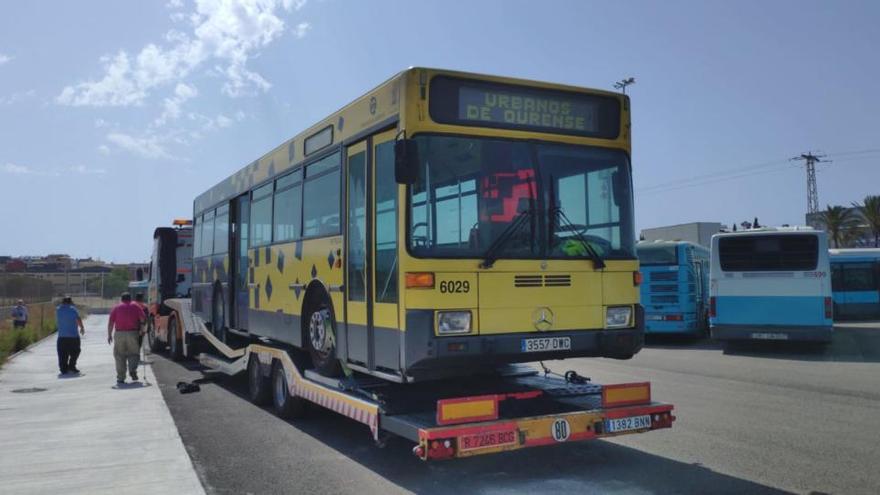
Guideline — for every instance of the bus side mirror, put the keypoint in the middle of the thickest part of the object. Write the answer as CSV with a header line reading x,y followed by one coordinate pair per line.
x,y
406,161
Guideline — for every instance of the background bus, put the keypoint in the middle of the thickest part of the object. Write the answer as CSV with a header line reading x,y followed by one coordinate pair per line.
x,y
170,277
442,223
675,286
772,284
855,282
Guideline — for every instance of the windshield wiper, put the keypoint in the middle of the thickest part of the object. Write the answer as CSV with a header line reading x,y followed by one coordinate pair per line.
x,y
556,213
495,249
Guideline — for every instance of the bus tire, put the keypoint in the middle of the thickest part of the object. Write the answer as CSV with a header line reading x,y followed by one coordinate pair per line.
x,y
320,336
156,345
286,406
259,386
218,315
175,346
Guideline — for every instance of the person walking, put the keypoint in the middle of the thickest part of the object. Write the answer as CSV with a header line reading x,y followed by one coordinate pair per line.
x,y
68,339
19,314
126,318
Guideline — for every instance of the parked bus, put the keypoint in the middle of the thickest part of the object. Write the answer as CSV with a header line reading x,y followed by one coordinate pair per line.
x,y
675,286
772,284
440,224
170,277
855,283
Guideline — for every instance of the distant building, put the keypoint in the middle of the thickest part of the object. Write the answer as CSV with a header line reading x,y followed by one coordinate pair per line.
x,y
696,232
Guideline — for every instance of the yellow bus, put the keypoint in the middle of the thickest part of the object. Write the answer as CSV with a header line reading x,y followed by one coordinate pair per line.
x,y
443,223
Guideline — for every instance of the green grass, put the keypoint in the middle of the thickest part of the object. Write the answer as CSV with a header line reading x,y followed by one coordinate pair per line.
x,y
41,324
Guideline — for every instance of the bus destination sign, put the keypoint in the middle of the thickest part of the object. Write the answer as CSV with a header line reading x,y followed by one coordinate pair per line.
x,y
513,106
516,109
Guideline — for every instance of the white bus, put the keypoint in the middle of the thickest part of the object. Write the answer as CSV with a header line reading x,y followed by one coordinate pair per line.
x,y
771,284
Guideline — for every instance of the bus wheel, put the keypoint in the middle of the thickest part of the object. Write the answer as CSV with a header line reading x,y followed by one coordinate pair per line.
x,y
259,386
286,406
218,315
321,339
175,346
156,345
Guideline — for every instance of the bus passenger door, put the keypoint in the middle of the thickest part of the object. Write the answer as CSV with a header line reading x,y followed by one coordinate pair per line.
x,y
356,256
238,257
384,297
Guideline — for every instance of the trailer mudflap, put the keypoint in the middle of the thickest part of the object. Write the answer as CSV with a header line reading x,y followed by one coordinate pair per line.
x,y
467,440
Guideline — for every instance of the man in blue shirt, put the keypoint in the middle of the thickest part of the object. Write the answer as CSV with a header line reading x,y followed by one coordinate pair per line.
x,y
68,340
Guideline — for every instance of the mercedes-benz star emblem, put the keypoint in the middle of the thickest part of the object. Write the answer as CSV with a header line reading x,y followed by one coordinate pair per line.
x,y
543,319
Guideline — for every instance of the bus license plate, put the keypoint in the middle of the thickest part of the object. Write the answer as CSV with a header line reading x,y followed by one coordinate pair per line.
x,y
486,440
770,336
627,424
546,344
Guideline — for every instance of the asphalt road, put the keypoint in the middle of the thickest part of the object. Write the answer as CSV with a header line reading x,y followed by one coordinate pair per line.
x,y
751,419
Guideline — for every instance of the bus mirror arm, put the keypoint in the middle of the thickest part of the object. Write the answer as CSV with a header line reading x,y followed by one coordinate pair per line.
x,y
406,160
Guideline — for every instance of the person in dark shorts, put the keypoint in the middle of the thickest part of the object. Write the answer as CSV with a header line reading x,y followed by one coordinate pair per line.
x,y
19,315
68,339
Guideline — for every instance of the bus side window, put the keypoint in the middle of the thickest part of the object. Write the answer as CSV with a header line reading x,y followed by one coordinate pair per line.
x,y
836,278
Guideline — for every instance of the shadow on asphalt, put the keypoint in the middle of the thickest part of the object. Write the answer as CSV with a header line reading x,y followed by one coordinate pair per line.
x,y
857,344
589,467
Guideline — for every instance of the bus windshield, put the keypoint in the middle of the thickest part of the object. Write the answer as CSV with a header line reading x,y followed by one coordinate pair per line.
x,y
470,190
657,255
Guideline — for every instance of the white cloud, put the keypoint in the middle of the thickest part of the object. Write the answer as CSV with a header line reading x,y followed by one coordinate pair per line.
x,y
301,29
171,106
16,97
148,147
228,32
174,4
83,170
11,168
4,58
104,149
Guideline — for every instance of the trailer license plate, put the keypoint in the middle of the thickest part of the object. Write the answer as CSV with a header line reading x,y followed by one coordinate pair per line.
x,y
627,424
770,336
486,440
546,344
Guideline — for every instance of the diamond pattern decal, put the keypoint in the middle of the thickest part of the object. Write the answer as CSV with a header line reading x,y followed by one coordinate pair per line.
x,y
296,288
268,288
268,255
298,250
281,261
330,260
314,271
256,298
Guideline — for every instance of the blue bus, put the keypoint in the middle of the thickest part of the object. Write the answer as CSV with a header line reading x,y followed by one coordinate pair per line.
x,y
855,283
771,284
675,286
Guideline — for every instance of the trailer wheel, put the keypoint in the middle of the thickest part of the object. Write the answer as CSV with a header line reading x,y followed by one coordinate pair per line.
x,y
286,406
321,339
259,386
156,345
175,346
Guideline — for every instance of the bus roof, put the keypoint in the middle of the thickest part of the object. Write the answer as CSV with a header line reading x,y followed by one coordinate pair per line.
x,y
379,106
770,231
869,253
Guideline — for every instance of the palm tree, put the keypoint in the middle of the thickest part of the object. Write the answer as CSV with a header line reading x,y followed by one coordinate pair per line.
x,y
870,210
839,221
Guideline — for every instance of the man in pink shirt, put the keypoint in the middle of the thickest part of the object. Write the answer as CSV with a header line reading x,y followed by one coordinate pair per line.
x,y
127,319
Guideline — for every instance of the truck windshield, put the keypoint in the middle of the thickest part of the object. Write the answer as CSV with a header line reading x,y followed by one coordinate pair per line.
x,y
469,191
657,255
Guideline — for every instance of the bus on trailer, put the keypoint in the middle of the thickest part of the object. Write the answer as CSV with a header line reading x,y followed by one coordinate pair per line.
x,y
771,284
855,283
441,224
675,286
170,277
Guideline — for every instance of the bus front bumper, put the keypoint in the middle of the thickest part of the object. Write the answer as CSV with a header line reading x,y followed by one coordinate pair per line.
x,y
775,332
428,356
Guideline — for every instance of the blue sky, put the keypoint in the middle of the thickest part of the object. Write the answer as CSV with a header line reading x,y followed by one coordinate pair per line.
x,y
115,115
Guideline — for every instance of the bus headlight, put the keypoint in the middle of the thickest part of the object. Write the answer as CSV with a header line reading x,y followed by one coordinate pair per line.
x,y
618,316
451,322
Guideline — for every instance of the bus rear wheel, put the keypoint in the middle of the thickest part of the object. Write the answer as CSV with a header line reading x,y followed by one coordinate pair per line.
x,y
175,345
286,406
156,345
321,339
